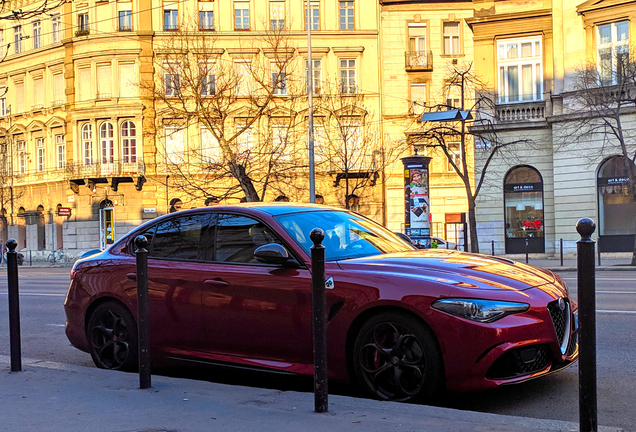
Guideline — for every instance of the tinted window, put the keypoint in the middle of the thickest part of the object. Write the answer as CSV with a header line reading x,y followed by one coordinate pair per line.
x,y
178,237
237,237
346,235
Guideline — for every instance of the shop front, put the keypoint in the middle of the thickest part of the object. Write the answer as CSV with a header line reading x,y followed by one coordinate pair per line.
x,y
523,208
616,205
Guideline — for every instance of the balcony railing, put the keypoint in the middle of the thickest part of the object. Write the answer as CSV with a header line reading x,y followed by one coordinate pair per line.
x,y
521,112
116,168
418,60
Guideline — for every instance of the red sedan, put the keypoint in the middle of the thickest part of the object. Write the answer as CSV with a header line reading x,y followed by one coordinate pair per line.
x,y
232,285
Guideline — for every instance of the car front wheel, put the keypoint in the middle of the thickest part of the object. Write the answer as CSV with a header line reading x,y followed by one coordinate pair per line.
x,y
112,337
395,357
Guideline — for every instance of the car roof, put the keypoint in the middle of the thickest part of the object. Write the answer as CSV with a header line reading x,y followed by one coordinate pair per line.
x,y
274,209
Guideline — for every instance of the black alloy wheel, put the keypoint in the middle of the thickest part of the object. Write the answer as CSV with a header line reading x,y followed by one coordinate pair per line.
x,y
396,358
112,337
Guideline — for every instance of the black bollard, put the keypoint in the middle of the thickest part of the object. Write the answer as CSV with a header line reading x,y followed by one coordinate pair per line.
x,y
587,326
14,306
598,248
493,247
319,319
526,250
143,312
561,252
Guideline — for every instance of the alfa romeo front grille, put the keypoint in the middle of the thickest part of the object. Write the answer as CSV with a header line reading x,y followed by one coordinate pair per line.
x,y
520,361
561,322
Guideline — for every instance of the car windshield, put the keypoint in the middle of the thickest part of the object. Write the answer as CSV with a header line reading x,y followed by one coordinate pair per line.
x,y
346,235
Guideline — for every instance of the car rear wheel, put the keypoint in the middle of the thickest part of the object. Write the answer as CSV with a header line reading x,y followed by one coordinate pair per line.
x,y
395,357
112,337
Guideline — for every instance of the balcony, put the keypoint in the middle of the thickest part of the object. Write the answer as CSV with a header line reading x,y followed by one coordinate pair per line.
x,y
117,171
520,112
418,61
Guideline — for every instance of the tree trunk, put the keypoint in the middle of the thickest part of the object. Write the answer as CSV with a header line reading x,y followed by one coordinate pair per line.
x,y
472,224
238,171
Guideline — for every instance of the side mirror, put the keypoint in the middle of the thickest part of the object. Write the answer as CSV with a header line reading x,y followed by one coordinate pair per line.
x,y
272,253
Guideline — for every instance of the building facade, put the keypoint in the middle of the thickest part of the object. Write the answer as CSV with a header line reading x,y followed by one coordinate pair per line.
x,y
534,55
81,126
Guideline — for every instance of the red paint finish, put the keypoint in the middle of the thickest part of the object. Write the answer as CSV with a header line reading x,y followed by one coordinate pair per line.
x,y
260,314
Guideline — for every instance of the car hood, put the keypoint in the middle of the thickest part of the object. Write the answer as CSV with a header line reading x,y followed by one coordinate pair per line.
x,y
461,269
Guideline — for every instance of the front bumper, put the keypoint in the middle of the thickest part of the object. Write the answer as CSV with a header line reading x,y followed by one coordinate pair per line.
x,y
512,350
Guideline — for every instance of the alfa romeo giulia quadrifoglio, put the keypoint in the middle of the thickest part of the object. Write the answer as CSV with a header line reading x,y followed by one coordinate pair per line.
x,y
231,285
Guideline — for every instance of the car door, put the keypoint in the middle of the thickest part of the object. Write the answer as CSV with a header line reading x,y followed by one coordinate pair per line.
x,y
174,291
251,309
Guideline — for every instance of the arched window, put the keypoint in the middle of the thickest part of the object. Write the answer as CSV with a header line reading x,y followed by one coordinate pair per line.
x,y
106,137
523,203
87,143
129,142
616,205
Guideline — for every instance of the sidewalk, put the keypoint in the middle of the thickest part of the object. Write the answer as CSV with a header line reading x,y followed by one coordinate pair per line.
x,y
569,264
54,397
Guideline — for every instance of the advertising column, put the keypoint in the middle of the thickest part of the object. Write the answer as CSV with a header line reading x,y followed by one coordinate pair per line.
x,y
417,221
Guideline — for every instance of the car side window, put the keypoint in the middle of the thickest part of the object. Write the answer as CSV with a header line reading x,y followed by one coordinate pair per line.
x,y
179,237
237,237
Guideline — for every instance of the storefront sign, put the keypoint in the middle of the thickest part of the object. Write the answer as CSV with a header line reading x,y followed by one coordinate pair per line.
x,y
150,210
63,211
523,187
613,180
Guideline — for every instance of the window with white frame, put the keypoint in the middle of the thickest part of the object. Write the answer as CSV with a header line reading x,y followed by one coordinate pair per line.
x,y
417,38
84,83
352,154
128,81
3,102
282,145
171,82
452,44
245,140
22,157
56,28
175,148
316,70
206,15
107,143
346,15
244,77
418,99
612,50
82,21
17,39
454,154
208,79
276,14
124,16
520,67
104,81
128,142
348,76
37,34
38,92
58,89
41,155
170,16
313,14
20,97
279,79
60,146
87,144
241,15
210,150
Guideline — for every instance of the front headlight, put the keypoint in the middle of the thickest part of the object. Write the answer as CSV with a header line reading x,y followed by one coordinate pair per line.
x,y
484,311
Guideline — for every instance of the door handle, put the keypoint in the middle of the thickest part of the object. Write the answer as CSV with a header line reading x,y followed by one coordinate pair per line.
x,y
131,276
216,282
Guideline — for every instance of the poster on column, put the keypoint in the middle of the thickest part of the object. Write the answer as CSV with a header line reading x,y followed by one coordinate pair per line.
x,y
418,225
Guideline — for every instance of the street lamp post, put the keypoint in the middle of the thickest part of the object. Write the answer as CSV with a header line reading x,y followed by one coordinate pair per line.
x,y
310,100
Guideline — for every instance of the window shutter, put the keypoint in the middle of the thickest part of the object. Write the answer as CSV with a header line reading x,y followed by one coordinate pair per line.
x,y
38,92
84,83
104,81
58,88
19,96
127,81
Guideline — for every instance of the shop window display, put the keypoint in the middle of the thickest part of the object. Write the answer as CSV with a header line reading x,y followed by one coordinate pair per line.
x,y
523,198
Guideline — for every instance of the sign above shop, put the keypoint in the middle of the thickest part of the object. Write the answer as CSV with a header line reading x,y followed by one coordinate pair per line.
x,y
523,187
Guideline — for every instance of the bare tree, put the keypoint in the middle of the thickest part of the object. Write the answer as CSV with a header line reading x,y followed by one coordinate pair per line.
x,y
604,104
349,143
244,105
472,126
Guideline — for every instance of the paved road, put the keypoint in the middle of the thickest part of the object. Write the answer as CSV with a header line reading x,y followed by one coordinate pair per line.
x,y
553,397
